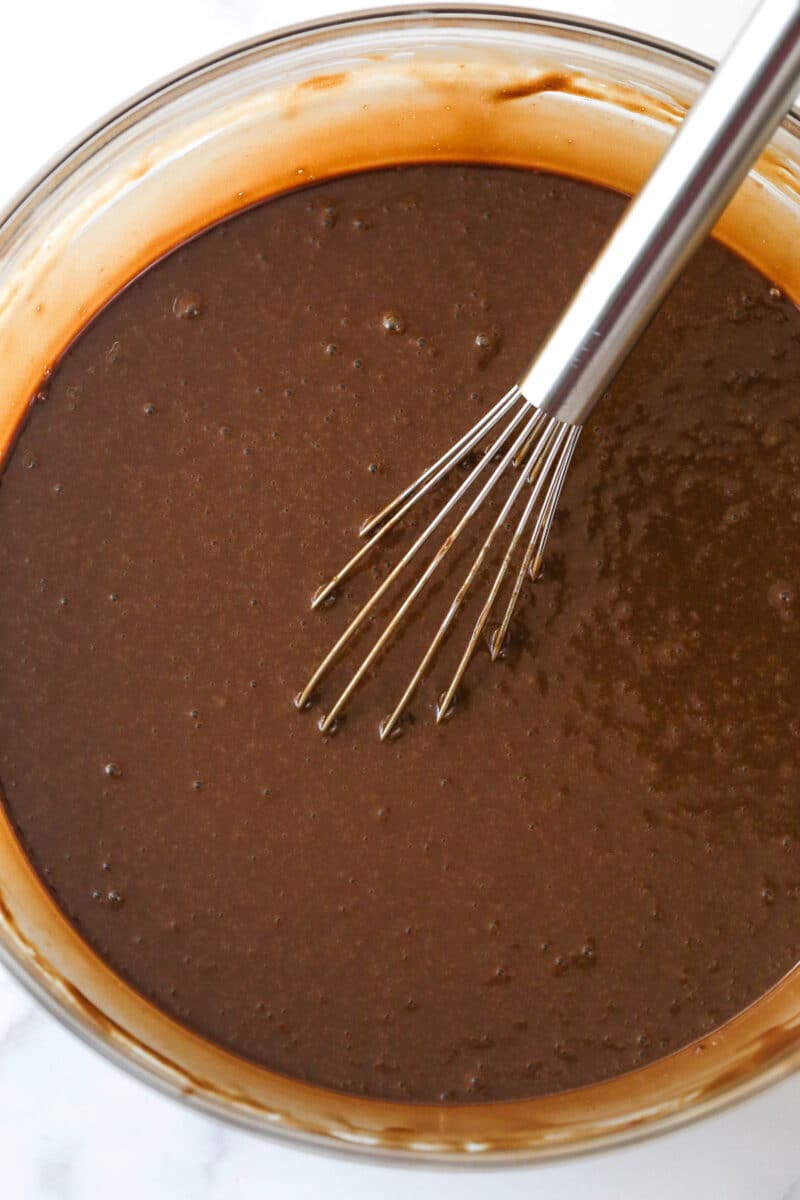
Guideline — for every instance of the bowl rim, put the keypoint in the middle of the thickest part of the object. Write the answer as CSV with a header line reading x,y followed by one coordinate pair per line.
x,y
135,106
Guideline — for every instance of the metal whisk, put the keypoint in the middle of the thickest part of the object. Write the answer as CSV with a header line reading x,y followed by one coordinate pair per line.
x,y
536,425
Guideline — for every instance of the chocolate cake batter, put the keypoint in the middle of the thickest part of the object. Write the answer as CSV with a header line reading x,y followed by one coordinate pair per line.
x,y
598,858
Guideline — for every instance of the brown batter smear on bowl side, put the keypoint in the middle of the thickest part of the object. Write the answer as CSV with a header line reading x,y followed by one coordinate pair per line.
x,y
598,859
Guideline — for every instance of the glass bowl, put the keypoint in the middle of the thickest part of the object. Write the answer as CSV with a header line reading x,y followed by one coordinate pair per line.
x,y
345,94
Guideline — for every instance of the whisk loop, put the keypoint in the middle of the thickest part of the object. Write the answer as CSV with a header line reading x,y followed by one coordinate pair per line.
x,y
540,447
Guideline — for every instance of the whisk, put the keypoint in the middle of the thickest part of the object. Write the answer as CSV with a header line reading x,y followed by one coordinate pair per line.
x,y
535,426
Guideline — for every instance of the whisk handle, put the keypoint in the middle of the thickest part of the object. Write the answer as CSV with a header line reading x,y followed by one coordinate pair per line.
x,y
746,98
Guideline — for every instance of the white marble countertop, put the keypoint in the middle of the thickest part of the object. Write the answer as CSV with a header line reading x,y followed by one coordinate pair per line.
x,y
74,1127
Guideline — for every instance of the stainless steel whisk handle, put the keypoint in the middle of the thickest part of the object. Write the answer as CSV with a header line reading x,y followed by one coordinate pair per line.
x,y
749,93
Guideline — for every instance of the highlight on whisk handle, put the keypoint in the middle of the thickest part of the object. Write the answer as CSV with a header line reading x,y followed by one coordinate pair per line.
x,y
709,156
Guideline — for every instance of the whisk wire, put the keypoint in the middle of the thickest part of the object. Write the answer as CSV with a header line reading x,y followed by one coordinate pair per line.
x,y
534,553
301,700
389,723
546,451
451,456
507,457
393,513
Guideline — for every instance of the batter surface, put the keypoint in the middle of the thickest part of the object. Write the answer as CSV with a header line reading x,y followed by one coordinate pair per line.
x,y
598,858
